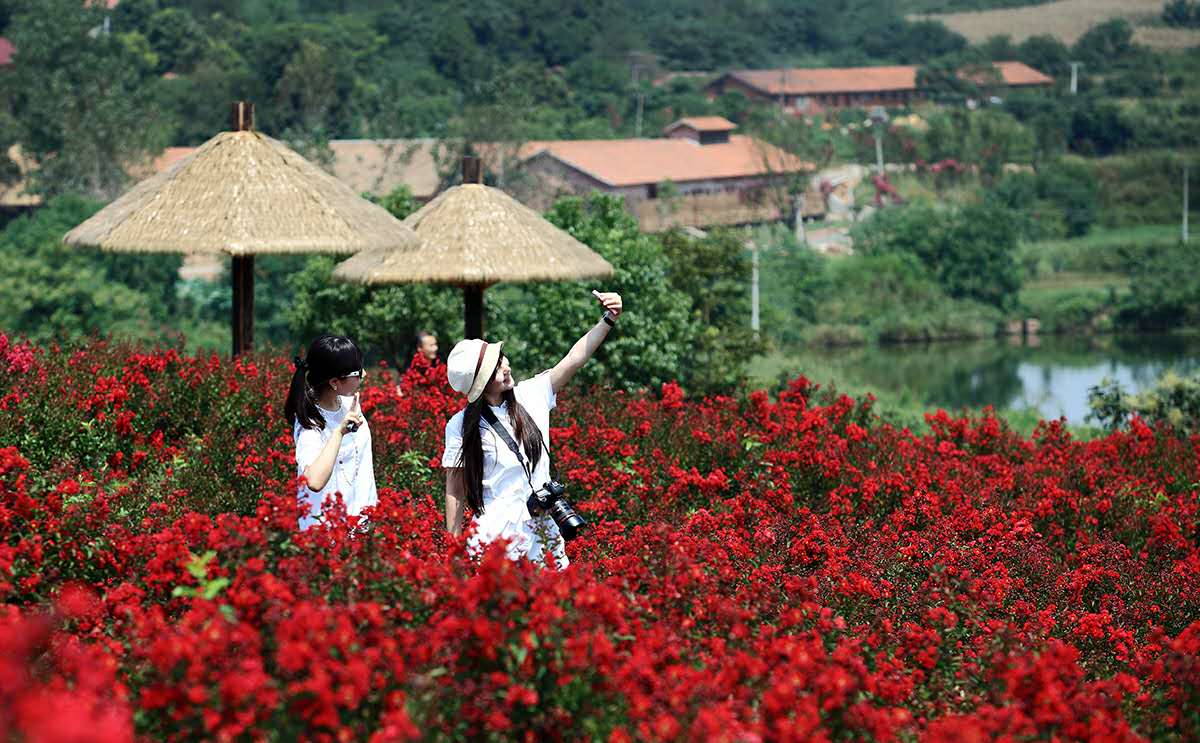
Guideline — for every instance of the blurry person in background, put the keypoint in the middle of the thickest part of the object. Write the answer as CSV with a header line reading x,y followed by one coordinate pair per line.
x,y
426,355
427,346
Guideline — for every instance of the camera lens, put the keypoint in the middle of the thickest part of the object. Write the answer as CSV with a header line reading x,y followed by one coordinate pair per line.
x,y
569,522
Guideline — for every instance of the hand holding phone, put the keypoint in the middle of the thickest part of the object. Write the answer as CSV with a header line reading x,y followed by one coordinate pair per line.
x,y
354,419
611,301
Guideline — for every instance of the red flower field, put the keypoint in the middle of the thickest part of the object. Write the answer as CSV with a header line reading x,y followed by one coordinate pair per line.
x,y
758,570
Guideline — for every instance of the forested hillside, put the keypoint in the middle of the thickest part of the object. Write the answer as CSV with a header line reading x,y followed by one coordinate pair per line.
x,y
156,73
355,68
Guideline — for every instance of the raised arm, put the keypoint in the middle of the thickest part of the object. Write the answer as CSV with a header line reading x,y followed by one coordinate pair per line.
x,y
583,349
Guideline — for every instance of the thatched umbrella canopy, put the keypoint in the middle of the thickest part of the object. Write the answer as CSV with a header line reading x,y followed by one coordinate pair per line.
x,y
475,236
242,193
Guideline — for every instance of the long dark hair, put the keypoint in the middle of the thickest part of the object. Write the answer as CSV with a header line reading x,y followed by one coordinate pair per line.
x,y
329,357
528,437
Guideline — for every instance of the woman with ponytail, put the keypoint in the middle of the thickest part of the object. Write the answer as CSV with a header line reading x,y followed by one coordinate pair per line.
x,y
495,471
333,441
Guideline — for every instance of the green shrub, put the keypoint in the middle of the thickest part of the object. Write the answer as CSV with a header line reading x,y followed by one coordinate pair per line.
x,y
970,251
793,281
1071,188
1072,309
892,298
1181,13
823,334
1173,401
1164,293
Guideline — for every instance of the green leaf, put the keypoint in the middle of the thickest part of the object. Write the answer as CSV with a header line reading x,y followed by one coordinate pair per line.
x,y
213,587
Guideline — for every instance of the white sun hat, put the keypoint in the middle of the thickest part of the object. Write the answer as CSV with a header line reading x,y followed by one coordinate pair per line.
x,y
470,365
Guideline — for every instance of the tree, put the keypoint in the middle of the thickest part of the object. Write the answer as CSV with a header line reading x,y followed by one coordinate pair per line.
x,y
655,339
307,89
399,201
49,290
999,48
177,39
1181,13
970,250
81,99
1046,54
1163,294
1048,117
199,100
795,136
943,80
1105,44
381,319
1072,188
1099,127
714,271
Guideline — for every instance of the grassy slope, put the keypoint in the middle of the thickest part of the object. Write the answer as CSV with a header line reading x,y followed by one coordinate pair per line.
x,y
1068,20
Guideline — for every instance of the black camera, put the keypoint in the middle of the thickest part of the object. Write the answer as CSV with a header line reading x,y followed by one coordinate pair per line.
x,y
550,499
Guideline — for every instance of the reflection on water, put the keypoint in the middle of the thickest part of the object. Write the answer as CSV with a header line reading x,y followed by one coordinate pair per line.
x,y
1052,375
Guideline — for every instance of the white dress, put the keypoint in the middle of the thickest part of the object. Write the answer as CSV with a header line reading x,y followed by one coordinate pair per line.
x,y
353,473
505,485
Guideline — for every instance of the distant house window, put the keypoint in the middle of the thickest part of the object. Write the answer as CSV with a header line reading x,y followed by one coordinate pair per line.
x,y
652,191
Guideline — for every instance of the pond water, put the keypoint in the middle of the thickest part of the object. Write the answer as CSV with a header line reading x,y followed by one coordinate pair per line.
x,y
1050,374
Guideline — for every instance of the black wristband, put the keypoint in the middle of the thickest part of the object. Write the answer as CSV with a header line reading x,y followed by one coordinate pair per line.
x,y
611,322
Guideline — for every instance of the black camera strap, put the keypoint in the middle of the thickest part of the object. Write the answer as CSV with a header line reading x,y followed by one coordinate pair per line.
x,y
490,417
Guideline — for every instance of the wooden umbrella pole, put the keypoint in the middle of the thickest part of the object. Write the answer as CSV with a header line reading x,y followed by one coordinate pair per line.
x,y
242,120
472,172
473,311
243,304
472,169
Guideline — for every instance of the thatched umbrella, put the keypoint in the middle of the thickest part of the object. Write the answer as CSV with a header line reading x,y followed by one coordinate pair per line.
x,y
242,193
474,236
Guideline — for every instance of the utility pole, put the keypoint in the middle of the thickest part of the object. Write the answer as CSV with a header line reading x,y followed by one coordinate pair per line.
x,y
641,100
754,324
798,218
782,92
1185,201
878,118
1075,77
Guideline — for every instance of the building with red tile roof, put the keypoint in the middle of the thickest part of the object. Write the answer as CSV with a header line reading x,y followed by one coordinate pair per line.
x,y
699,175
805,89
621,163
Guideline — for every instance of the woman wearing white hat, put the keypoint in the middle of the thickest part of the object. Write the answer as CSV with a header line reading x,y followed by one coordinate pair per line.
x,y
498,447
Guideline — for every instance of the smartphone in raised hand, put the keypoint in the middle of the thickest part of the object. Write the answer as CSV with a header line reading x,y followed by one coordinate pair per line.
x,y
352,426
600,299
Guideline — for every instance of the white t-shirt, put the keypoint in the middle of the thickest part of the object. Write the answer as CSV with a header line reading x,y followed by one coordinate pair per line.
x,y
353,473
505,485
